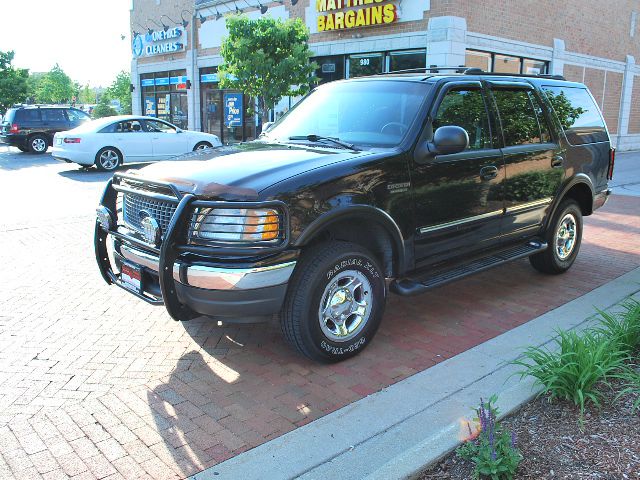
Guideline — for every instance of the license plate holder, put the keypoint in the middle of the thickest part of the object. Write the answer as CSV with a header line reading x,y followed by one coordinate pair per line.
x,y
131,277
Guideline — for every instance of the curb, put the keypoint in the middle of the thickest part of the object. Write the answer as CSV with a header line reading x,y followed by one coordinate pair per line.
x,y
399,431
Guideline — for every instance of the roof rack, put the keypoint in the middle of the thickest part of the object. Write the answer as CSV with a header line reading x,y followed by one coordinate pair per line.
x,y
472,71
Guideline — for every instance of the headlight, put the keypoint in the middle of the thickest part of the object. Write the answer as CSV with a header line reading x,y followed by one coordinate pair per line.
x,y
236,224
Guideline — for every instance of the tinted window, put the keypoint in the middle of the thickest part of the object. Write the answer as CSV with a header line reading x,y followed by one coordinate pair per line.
x,y
28,115
542,119
466,108
10,115
518,117
578,114
109,128
53,115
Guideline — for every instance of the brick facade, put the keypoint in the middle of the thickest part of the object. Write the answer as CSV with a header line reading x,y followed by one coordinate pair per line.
x,y
596,39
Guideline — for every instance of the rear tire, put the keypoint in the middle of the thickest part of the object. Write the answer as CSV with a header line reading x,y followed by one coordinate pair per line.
x,y
564,236
108,159
38,144
334,303
202,146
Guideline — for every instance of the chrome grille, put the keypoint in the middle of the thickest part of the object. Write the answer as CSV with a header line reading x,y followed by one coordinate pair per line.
x,y
158,209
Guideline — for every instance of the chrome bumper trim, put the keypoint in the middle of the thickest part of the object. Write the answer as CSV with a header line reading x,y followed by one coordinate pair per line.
x,y
215,278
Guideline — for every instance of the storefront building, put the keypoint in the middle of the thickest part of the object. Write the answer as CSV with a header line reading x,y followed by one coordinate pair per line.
x,y
176,51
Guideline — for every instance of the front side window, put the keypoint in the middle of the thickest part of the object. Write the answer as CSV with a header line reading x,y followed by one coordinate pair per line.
x,y
518,117
76,116
465,108
160,127
375,113
578,114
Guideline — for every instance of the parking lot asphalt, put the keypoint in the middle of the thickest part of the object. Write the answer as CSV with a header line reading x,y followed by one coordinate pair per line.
x,y
96,384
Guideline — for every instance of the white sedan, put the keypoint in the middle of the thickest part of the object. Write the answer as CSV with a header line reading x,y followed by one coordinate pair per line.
x,y
111,141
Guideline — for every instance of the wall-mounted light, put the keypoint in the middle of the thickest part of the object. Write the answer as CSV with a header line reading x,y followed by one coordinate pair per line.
x,y
238,10
202,18
188,84
218,15
185,22
131,87
150,31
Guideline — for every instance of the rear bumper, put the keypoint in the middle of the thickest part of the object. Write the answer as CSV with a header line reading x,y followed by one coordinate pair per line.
x,y
601,198
81,158
13,140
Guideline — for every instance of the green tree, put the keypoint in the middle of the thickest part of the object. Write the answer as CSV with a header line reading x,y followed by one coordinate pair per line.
x,y
266,59
86,95
13,82
55,87
33,84
120,90
104,108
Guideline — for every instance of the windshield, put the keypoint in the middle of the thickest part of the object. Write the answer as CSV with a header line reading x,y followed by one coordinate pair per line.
x,y
376,113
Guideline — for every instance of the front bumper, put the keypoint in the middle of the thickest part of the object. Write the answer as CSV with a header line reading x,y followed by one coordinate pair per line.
x,y
193,285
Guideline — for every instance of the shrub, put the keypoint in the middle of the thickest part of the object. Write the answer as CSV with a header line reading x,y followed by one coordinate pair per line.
x,y
493,451
622,327
580,362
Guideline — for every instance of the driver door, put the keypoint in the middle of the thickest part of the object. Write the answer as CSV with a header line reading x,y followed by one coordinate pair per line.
x,y
458,197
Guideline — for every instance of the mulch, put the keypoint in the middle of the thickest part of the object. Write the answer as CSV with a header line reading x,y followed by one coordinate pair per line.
x,y
556,446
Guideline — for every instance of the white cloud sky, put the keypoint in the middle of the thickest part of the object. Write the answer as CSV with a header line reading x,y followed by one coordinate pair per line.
x,y
82,36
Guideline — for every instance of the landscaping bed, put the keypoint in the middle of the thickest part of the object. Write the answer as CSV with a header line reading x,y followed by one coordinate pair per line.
x,y
552,445
586,424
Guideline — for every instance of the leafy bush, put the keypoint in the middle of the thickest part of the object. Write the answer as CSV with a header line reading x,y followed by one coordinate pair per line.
x,y
581,361
493,451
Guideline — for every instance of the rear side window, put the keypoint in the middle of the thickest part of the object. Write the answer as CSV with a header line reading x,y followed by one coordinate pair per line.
x,y
9,116
53,115
519,117
578,114
28,115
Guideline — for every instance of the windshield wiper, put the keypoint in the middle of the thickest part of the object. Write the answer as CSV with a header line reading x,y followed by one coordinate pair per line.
x,y
321,138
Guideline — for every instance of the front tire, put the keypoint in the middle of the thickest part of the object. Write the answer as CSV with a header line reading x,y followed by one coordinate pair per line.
x,y
564,236
108,159
334,303
38,144
202,146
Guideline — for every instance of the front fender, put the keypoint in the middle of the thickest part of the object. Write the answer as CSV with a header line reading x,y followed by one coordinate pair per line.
x,y
357,212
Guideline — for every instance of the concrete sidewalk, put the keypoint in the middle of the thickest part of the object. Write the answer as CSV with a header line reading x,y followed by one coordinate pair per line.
x,y
396,432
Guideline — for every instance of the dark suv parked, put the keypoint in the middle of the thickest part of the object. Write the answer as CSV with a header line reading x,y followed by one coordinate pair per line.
x,y
396,182
31,127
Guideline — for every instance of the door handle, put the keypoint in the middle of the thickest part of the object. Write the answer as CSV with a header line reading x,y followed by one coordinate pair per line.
x,y
557,161
487,173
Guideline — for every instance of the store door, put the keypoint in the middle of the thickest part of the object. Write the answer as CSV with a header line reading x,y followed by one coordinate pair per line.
x,y
212,112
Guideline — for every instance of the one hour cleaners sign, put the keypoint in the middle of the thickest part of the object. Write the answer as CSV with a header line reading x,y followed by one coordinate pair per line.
x,y
233,110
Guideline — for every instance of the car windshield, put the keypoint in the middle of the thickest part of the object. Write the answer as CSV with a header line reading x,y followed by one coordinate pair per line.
x,y
374,113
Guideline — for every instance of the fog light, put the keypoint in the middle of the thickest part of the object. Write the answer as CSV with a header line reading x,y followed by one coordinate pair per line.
x,y
151,230
103,215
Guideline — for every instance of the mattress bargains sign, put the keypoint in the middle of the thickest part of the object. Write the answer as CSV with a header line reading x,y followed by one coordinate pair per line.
x,y
346,14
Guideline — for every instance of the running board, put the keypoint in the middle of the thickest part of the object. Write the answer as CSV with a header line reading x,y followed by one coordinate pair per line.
x,y
414,286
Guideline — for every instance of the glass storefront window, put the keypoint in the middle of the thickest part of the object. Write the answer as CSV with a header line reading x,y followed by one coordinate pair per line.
x,y
362,65
164,95
506,64
534,67
407,60
329,68
481,60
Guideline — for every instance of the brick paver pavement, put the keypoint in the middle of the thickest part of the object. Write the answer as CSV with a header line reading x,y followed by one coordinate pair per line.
x,y
96,384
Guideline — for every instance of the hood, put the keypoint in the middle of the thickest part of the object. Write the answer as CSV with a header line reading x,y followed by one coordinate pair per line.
x,y
241,171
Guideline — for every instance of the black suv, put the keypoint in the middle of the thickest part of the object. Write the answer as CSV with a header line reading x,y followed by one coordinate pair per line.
x,y
396,182
31,127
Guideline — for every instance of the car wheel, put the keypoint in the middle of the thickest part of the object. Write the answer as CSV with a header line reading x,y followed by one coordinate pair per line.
x,y
108,159
202,146
564,236
38,144
334,303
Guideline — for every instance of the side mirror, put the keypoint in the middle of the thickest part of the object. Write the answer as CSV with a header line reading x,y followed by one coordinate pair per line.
x,y
179,130
446,140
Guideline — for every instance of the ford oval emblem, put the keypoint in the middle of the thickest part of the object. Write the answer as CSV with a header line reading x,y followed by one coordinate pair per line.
x,y
151,230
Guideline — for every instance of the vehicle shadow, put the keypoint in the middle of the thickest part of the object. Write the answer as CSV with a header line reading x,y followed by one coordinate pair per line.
x,y
13,159
92,174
